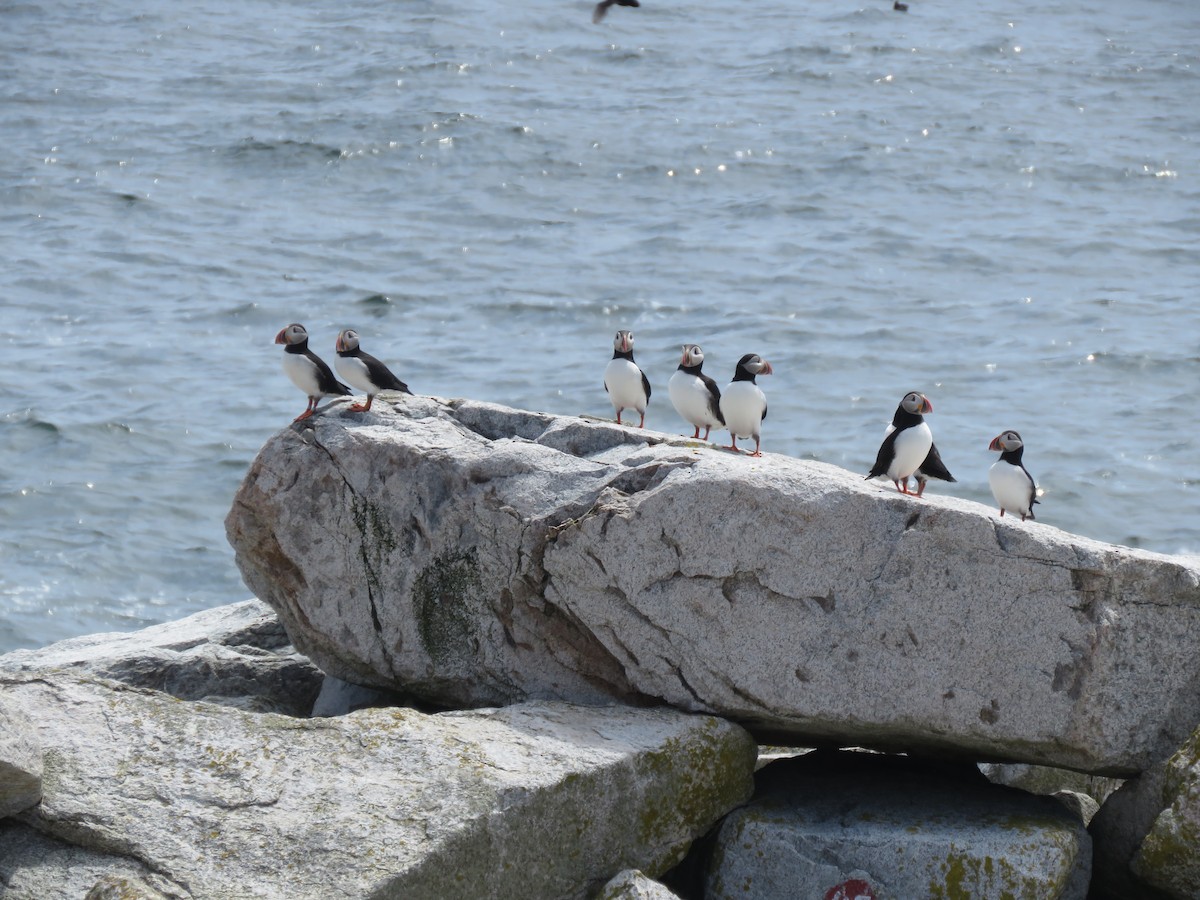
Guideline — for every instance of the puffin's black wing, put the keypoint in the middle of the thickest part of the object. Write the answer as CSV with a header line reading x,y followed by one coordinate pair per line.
x,y
887,452
933,467
325,378
714,398
645,384
381,376
764,416
601,8
1032,490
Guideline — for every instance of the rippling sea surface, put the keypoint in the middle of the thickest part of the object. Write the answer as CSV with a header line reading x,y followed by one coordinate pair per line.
x,y
995,204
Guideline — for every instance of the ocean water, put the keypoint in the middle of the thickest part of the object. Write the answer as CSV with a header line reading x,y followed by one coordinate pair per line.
x,y
995,204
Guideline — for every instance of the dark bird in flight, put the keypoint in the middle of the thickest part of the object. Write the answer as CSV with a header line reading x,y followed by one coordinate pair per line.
x,y
601,9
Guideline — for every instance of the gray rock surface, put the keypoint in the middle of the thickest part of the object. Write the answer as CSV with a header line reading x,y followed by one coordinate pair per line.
x,y
381,803
900,830
634,885
20,762
34,866
474,554
1147,834
1080,793
237,655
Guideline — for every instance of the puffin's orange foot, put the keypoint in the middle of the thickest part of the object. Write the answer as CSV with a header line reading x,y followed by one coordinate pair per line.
x,y
303,415
358,407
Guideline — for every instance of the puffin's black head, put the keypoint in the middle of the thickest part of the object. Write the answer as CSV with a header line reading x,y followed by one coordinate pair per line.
x,y
293,335
347,341
751,365
692,356
1006,442
623,342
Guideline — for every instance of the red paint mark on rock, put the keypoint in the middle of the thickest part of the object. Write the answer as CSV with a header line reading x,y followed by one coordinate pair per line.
x,y
854,889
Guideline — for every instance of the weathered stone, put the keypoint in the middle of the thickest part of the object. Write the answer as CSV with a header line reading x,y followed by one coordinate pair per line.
x,y
1169,856
1080,793
633,885
20,762
122,887
475,554
381,803
1117,832
237,655
884,827
34,866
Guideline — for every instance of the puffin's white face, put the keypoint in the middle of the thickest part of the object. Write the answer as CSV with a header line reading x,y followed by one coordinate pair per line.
x,y
1010,440
347,340
756,365
917,404
623,342
293,334
692,355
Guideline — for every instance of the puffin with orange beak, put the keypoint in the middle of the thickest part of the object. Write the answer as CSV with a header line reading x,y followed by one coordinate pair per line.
x,y
743,404
307,370
1012,485
363,371
907,444
695,396
626,384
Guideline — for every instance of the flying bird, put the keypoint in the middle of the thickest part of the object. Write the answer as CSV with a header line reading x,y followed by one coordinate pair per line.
x,y
363,371
1012,485
743,404
601,9
307,370
907,444
695,396
626,384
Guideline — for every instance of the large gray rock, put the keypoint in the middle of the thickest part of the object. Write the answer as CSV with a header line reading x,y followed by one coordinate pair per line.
x,y
237,655
380,803
20,762
1147,834
475,554
884,827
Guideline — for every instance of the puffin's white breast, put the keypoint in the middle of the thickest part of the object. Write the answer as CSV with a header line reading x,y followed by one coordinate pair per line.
x,y
1011,486
909,451
354,372
303,373
742,405
690,396
624,382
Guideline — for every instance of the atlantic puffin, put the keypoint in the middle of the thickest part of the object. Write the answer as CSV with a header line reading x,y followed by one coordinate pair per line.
x,y
307,370
933,467
626,384
363,371
1012,485
743,404
695,396
601,9
907,445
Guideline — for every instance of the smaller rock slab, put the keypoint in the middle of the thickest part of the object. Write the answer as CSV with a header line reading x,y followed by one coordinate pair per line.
x,y
236,655
381,803
862,825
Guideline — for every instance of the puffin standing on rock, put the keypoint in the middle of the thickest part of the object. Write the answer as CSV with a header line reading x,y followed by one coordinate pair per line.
x,y
626,384
364,371
744,405
307,370
908,444
696,396
1012,485
933,467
